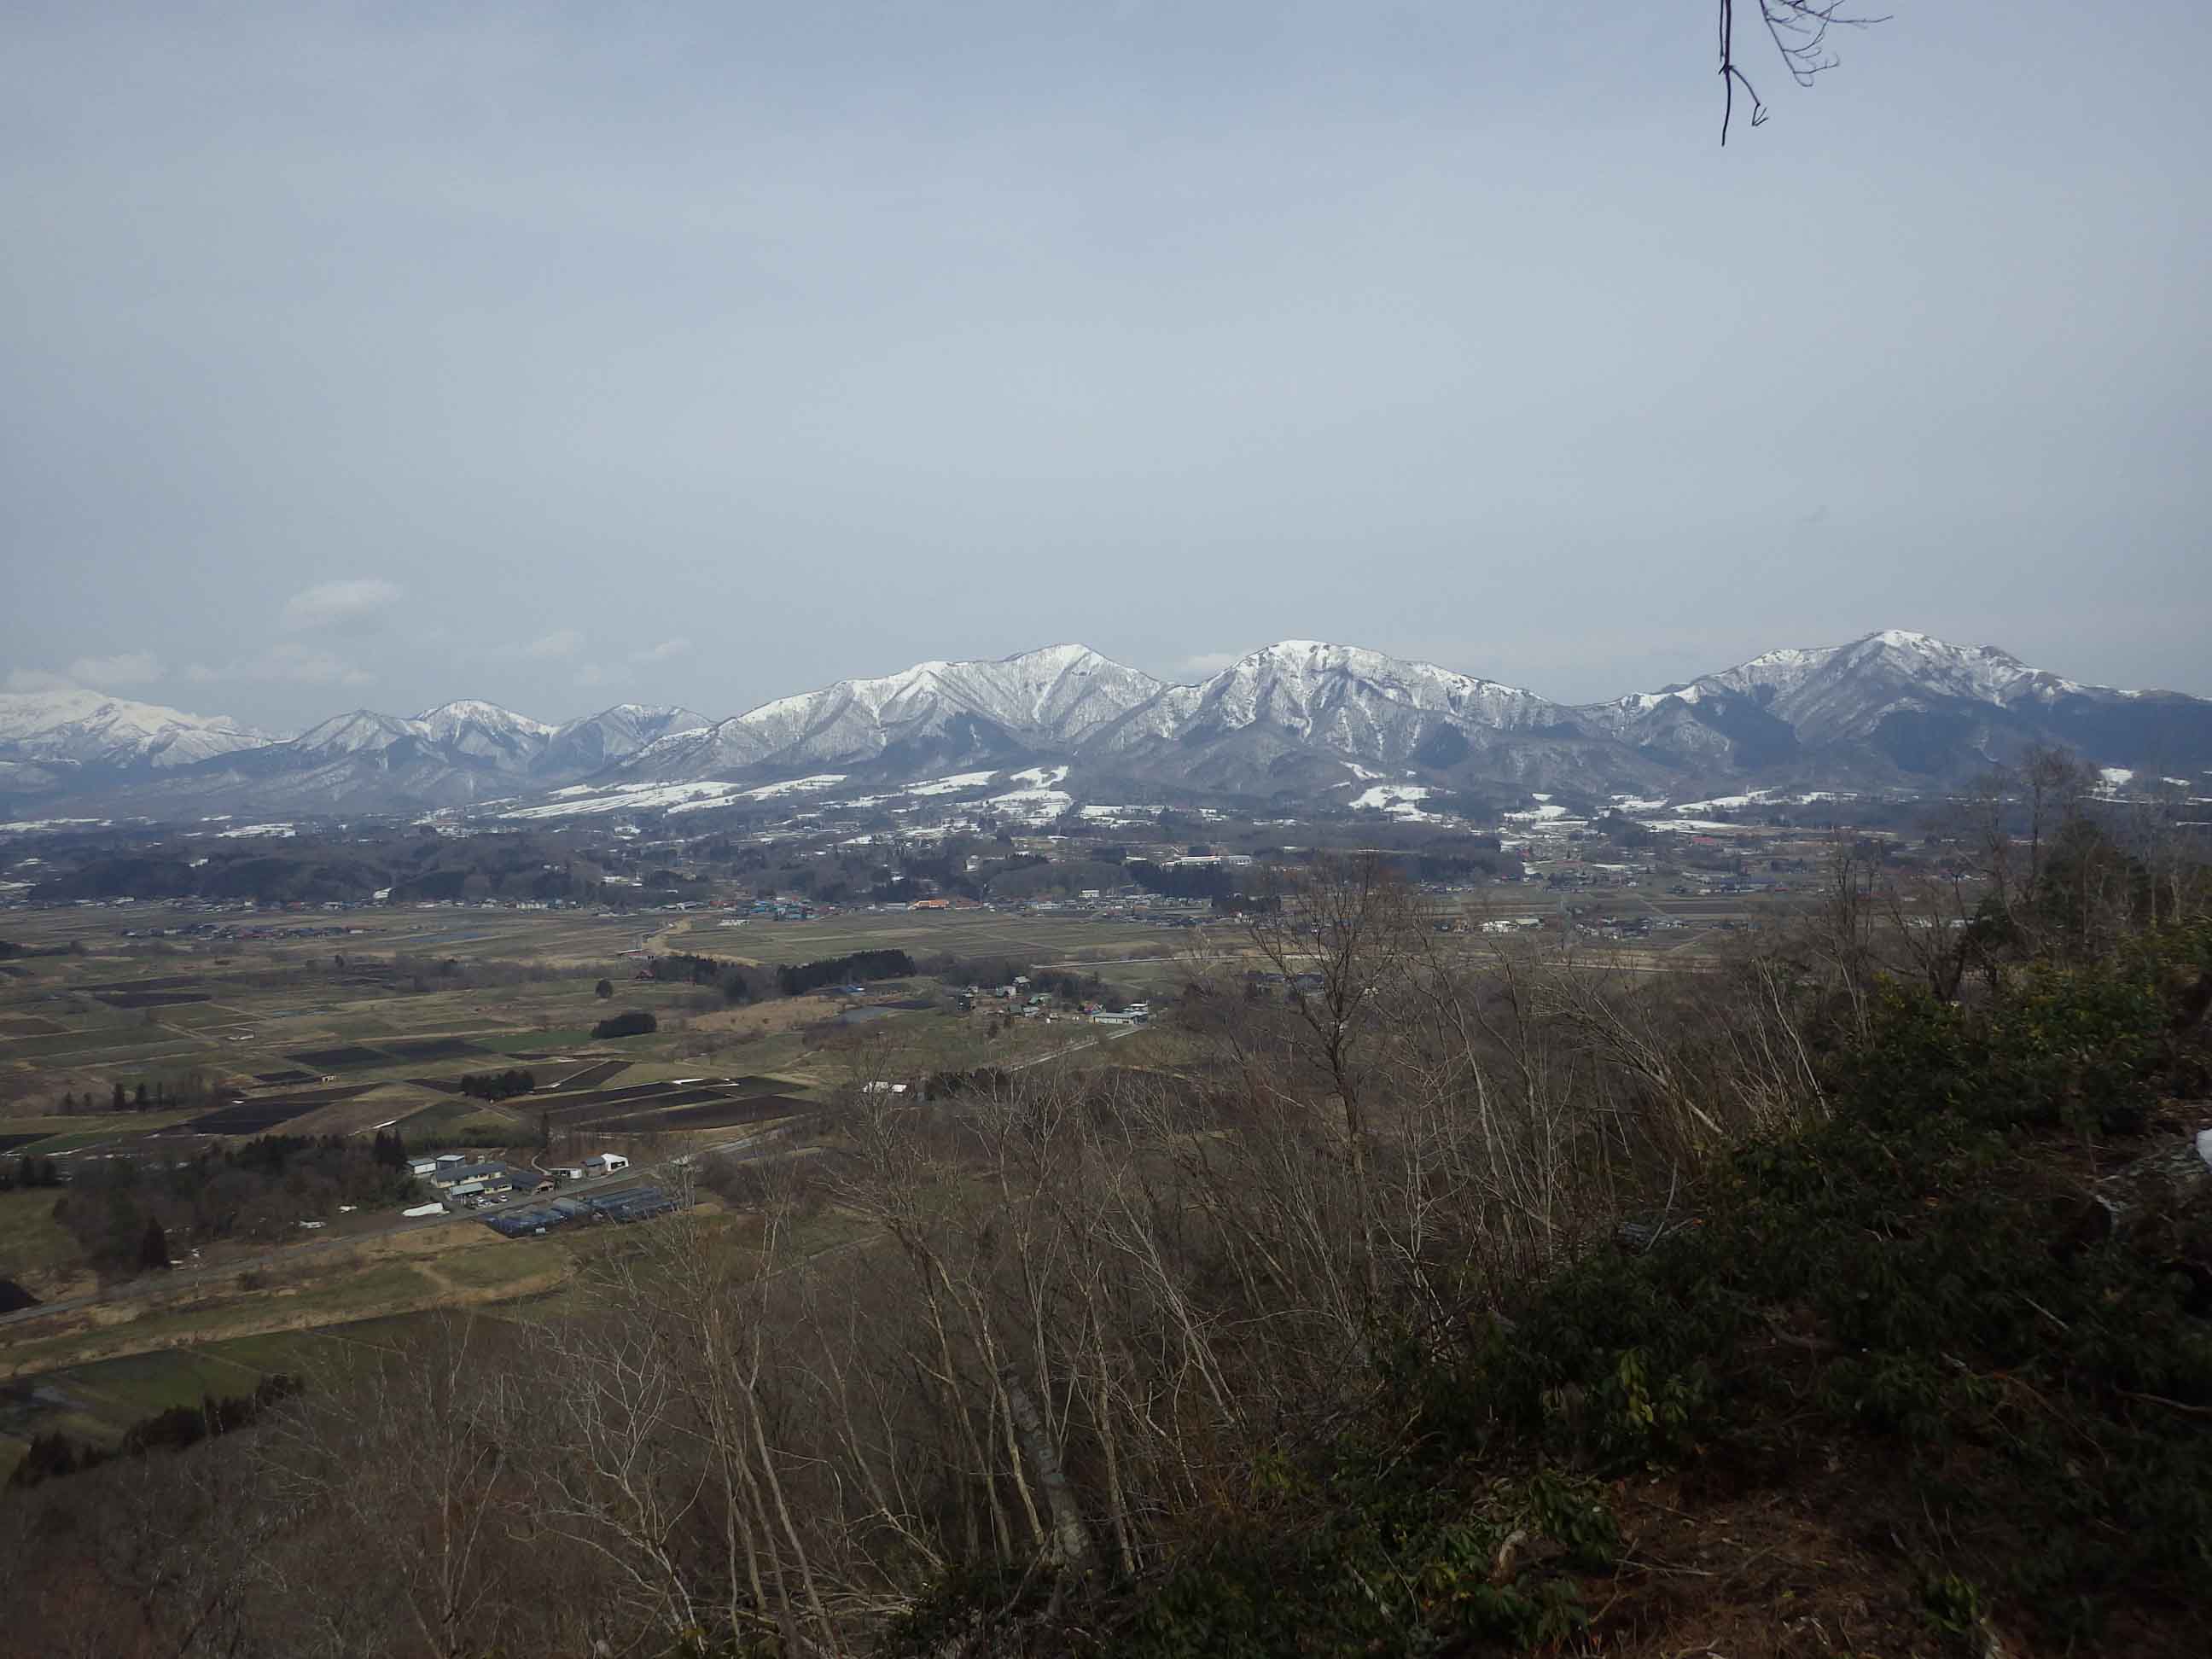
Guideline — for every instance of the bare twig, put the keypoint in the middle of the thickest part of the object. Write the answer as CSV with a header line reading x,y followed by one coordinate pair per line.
x,y
1799,30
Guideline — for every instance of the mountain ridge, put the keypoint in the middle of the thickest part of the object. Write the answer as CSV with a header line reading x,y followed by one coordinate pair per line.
x,y
1893,707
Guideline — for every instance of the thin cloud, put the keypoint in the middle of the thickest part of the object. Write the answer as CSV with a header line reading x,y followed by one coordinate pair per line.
x,y
90,673
288,663
562,642
1207,663
339,604
128,668
664,651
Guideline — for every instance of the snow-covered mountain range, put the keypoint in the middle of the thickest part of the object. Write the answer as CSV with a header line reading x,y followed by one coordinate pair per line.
x,y
935,713
361,761
56,741
1290,722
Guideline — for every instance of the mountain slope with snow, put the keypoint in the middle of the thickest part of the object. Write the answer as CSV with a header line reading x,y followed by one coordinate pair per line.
x,y
1292,714
87,727
941,714
1901,705
1288,723
584,746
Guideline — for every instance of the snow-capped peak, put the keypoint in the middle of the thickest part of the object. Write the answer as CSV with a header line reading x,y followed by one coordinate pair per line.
x,y
1056,695
72,724
1296,681
356,730
448,720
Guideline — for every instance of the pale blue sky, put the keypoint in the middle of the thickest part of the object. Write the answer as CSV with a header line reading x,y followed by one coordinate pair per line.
x,y
707,352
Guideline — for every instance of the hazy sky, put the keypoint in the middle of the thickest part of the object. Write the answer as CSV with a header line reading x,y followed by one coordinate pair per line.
x,y
703,352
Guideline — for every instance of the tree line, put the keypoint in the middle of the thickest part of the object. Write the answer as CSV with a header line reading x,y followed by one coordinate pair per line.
x,y
126,1216
499,1085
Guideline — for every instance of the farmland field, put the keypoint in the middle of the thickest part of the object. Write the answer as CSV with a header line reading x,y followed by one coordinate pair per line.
x,y
422,1049
520,1042
960,934
462,1121
589,1077
519,991
93,1039
347,1057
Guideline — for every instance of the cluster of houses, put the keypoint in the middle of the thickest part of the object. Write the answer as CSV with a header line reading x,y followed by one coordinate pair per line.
x,y
1039,1005
464,1184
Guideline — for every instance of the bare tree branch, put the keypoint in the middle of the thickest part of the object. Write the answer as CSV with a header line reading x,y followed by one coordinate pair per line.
x,y
1799,30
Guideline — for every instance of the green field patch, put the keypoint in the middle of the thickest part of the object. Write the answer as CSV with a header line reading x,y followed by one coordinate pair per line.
x,y
361,1025
463,1120
347,1057
138,1385
99,1400
301,1351
53,1124
516,1043
509,1262
415,1050
30,1238
97,1040
74,1138
201,1016
349,1297
137,999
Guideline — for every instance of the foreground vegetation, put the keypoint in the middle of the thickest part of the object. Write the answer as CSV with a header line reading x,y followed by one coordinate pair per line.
x,y
1856,1297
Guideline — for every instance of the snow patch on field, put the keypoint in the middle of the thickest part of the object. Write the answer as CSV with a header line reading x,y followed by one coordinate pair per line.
x,y
1722,803
1041,777
631,798
1400,800
1119,814
1032,805
957,781
796,785
1545,813
256,831
579,799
